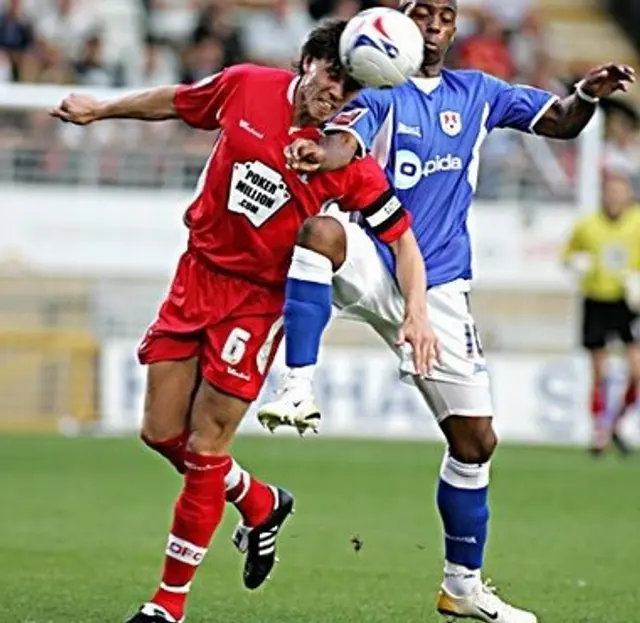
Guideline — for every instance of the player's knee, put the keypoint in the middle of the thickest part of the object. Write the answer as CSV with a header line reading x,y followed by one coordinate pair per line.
x,y
156,430
324,235
215,419
476,444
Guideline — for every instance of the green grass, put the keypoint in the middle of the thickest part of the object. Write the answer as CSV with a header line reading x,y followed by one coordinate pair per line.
x,y
83,526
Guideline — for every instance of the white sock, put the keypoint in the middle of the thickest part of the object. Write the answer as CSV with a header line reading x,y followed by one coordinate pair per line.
x,y
460,581
300,378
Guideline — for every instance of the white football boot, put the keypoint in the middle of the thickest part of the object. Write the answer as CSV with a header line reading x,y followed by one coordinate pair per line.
x,y
294,406
482,605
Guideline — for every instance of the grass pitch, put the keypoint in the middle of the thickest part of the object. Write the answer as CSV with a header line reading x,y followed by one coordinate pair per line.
x,y
83,526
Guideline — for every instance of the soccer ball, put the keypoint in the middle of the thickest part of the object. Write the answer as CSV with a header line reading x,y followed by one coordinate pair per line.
x,y
381,48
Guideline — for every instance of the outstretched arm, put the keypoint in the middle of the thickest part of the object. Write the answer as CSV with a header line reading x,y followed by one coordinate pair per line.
x,y
567,117
151,105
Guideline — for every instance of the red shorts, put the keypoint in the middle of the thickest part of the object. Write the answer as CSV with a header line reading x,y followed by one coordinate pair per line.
x,y
233,326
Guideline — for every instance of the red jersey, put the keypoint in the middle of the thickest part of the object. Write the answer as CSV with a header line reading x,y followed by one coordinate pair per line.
x,y
249,205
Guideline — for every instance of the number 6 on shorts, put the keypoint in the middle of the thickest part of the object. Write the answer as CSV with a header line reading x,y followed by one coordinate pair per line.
x,y
235,347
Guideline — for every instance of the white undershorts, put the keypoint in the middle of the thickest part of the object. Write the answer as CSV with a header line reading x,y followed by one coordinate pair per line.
x,y
364,290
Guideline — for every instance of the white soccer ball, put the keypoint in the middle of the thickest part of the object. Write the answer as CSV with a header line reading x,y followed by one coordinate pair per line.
x,y
381,48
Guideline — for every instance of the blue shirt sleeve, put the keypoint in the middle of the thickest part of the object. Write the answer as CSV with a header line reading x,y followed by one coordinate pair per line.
x,y
517,107
362,118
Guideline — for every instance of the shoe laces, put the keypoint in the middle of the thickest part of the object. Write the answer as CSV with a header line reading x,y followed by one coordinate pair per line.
x,y
488,593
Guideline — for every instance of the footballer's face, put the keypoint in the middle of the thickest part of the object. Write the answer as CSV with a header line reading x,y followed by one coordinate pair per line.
x,y
323,90
437,22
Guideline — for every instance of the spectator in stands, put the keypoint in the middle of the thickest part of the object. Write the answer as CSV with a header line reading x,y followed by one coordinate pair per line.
x,y
54,67
273,35
216,21
202,59
344,9
622,148
511,14
16,37
158,66
67,24
90,68
529,48
487,50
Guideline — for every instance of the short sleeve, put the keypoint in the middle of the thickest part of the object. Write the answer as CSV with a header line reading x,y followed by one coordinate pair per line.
x,y
367,190
363,118
202,104
516,106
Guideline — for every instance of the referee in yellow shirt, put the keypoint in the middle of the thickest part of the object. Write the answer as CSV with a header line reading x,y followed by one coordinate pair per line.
x,y
604,249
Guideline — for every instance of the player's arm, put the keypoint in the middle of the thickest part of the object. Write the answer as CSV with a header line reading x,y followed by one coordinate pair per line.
x,y
567,117
198,105
533,110
155,104
390,222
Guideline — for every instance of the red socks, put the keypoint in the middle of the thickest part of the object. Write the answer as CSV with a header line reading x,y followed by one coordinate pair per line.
x,y
172,449
253,499
197,514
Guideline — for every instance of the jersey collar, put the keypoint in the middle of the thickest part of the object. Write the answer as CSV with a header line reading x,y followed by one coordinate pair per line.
x,y
291,91
427,85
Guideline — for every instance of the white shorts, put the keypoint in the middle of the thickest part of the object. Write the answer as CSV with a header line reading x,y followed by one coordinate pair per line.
x,y
364,290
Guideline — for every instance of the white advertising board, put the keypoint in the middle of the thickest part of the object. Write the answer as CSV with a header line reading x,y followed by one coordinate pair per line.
x,y
107,232
538,400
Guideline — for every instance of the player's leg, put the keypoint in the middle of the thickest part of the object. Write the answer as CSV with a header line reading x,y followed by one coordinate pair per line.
x,y
459,395
215,417
170,350
320,250
165,429
168,398
236,358
595,324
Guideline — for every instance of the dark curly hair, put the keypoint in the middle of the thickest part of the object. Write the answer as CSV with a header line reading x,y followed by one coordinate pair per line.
x,y
323,44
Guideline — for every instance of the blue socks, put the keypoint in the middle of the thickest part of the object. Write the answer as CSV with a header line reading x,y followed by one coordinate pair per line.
x,y
307,307
462,502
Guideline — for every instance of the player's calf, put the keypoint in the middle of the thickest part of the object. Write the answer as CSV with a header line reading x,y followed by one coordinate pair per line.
x,y
463,501
320,250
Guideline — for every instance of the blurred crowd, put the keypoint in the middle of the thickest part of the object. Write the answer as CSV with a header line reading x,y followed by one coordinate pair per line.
x,y
63,41
143,43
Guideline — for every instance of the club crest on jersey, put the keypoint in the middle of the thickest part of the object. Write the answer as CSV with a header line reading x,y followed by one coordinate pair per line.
x,y
348,117
451,122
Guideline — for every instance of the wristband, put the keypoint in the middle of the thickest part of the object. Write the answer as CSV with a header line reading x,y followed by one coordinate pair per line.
x,y
585,97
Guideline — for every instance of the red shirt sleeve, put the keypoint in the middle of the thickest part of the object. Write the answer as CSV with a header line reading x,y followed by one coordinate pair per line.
x,y
202,104
367,190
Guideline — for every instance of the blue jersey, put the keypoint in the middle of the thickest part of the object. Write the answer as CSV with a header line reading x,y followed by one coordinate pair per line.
x,y
427,135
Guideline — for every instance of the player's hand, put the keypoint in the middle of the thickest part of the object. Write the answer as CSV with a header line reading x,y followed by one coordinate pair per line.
x,y
607,79
304,155
417,331
77,109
